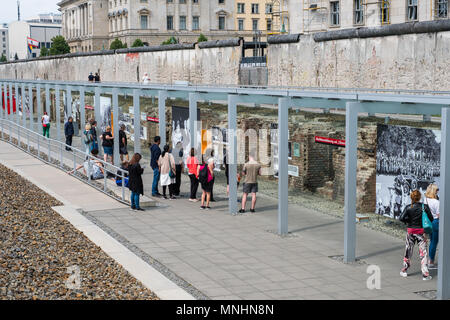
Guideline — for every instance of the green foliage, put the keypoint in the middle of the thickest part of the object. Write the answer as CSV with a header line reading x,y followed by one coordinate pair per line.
x,y
117,44
137,43
59,46
44,52
3,58
171,40
16,57
202,38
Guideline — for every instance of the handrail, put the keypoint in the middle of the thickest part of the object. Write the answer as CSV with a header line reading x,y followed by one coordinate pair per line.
x,y
11,128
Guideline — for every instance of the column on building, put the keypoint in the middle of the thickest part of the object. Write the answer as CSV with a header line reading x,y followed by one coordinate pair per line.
x,y
189,16
176,18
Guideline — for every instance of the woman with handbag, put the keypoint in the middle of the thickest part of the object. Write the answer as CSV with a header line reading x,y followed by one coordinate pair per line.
x,y
417,216
135,183
166,165
88,140
431,199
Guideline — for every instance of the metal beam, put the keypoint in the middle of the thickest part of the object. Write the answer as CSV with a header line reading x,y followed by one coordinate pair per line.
x,y
98,115
1,103
39,106
351,159
68,103
16,91
193,99
443,281
115,122
283,176
30,105
82,109
232,153
47,100
162,96
58,113
137,120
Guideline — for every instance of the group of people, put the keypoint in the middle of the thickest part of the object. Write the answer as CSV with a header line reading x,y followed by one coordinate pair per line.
x,y
94,78
167,166
422,168
412,216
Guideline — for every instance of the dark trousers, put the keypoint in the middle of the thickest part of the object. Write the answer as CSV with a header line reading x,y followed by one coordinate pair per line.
x,y
171,190
68,142
194,186
212,187
178,168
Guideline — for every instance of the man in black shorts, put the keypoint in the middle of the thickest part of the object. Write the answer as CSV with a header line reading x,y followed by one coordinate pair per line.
x,y
251,171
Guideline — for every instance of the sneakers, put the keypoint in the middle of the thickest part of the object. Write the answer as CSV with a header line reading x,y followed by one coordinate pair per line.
x,y
133,208
202,207
139,209
241,211
403,274
432,266
208,208
427,278
252,210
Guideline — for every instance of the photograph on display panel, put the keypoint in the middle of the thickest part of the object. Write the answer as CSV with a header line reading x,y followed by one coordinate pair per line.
x,y
180,126
407,159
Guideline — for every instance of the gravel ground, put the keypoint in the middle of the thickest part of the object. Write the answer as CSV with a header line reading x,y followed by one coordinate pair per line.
x,y
37,247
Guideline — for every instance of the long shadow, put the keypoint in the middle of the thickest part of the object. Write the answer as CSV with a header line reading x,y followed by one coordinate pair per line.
x,y
318,226
381,252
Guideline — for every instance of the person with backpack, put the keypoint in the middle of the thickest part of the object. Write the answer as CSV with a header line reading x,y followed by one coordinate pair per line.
x,y
178,155
205,176
192,165
412,216
155,152
69,132
135,183
431,199
88,140
166,165
94,134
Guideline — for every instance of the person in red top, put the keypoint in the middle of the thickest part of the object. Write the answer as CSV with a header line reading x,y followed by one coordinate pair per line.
x,y
192,164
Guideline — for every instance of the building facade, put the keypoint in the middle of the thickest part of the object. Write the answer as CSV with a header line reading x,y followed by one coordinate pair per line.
x,y
42,32
4,45
85,24
308,16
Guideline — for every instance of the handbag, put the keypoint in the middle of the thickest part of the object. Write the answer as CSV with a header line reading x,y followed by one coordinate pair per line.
x,y
426,223
171,173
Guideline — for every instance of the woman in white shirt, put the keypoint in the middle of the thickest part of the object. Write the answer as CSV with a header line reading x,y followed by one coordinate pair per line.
x,y
432,201
45,124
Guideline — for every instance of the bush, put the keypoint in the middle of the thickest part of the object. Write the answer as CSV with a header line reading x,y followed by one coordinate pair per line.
x,y
202,38
59,46
117,44
171,40
44,52
137,43
3,58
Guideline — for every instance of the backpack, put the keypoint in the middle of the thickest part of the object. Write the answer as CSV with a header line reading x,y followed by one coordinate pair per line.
x,y
203,175
87,137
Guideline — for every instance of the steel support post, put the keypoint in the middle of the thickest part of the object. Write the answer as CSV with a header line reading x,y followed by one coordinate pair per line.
x,y
39,107
351,143
137,120
68,103
31,107
193,127
115,121
11,102
283,175
58,113
82,109
1,101
162,96
232,153
24,113
47,99
443,280
97,116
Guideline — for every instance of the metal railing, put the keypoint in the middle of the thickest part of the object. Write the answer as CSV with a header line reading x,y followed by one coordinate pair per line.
x,y
54,153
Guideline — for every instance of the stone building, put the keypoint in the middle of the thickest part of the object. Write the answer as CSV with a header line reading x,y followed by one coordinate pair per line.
x,y
308,16
4,40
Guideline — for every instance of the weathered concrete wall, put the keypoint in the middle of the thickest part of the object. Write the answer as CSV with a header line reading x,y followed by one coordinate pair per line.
x,y
212,65
410,61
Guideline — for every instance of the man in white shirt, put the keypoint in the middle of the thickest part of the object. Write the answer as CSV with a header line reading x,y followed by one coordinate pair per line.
x,y
46,125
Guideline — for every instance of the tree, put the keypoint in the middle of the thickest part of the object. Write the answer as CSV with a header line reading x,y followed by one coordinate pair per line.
x,y
44,52
137,43
202,38
59,46
171,40
117,44
3,58
16,57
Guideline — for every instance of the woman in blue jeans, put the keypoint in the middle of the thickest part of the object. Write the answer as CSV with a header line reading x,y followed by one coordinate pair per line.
x,y
432,201
135,181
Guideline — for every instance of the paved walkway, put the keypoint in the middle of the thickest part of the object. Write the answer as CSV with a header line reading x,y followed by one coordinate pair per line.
x,y
241,257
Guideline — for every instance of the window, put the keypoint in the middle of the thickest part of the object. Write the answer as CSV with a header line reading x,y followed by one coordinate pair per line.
x,y
221,23
269,8
254,24
182,22
358,12
441,9
411,10
334,11
144,22
195,23
269,24
255,8
384,11
221,1
182,1
241,8
169,22
240,24
194,1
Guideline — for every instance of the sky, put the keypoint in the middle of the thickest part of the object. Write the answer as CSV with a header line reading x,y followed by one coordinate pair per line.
x,y
28,8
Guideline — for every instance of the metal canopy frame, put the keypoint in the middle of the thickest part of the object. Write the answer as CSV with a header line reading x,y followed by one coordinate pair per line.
x,y
353,101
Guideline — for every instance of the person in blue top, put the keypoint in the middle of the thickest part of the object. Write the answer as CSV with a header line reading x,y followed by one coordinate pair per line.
x,y
155,151
68,132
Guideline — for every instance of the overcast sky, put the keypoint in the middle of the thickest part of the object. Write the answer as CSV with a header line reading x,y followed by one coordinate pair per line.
x,y
28,8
